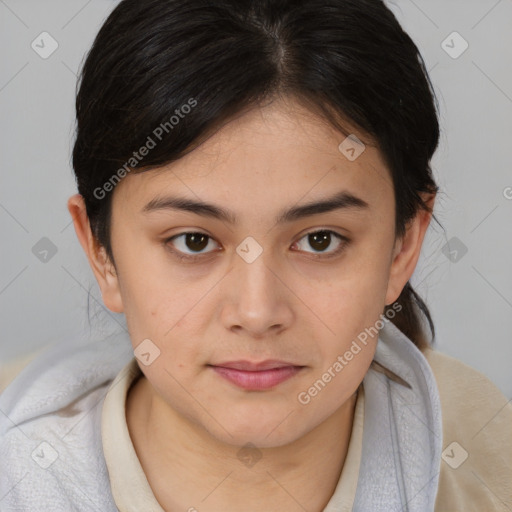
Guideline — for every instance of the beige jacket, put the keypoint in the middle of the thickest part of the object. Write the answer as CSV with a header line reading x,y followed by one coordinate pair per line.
x,y
476,471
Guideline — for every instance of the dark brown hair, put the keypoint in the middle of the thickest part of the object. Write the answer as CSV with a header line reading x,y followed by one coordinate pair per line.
x,y
343,59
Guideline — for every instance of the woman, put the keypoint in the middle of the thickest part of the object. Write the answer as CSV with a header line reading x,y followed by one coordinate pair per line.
x,y
254,190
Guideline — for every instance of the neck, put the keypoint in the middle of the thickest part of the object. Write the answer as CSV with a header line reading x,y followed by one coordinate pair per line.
x,y
188,469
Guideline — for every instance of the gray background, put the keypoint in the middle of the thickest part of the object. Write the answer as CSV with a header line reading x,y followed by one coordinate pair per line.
x,y
469,293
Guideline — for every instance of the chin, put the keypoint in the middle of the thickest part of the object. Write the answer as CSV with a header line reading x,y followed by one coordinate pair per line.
x,y
270,433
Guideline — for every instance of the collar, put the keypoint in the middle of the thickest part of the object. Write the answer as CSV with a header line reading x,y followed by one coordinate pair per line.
x,y
402,436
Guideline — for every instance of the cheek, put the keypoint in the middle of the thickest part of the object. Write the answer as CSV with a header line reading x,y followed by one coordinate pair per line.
x,y
155,295
347,311
165,318
350,301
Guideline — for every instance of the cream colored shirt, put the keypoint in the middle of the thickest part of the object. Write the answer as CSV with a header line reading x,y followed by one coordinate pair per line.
x,y
130,488
475,473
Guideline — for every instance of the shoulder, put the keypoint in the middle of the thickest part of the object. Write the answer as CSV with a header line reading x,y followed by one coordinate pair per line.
x,y
55,461
476,466
50,429
9,371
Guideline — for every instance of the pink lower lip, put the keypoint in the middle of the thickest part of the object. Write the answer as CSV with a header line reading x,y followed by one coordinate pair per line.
x,y
257,380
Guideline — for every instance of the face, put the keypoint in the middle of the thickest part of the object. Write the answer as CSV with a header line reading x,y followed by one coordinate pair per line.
x,y
269,281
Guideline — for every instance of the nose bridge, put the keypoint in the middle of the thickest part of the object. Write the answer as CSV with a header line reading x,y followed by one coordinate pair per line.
x,y
252,269
256,297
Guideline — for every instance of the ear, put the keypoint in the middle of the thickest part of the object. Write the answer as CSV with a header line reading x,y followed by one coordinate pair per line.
x,y
407,251
101,265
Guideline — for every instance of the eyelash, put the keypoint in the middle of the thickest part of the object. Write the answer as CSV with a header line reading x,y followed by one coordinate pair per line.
x,y
182,256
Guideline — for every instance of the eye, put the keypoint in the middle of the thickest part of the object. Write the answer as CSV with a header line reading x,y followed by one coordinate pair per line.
x,y
190,241
192,245
321,240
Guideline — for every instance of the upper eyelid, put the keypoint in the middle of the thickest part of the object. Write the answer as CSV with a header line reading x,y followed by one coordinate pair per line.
x,y
330,230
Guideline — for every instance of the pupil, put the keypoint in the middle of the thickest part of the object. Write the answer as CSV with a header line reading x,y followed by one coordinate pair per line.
x,y
320,240
196,242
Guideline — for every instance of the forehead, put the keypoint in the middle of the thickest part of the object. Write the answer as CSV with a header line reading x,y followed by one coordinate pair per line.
x,y
279,153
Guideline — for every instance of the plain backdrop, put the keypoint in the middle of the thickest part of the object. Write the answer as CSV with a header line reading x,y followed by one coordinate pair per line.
x,y
465,270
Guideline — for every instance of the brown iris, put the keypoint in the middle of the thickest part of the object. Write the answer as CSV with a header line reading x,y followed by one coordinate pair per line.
x,y
319,240
196,241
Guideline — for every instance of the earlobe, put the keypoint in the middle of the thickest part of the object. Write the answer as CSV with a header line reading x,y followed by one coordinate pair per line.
x,y
407,251
102,267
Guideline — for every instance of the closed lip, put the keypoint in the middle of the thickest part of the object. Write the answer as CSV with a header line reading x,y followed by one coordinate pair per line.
x,y
249,366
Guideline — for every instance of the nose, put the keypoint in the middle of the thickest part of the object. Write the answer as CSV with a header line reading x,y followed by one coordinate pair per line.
x,y
256,298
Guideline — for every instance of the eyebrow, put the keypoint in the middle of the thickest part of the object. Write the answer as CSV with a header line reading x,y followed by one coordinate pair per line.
x,y
343,200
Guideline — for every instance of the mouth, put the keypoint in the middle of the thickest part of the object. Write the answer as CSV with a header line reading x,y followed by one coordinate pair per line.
x,y
256,376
